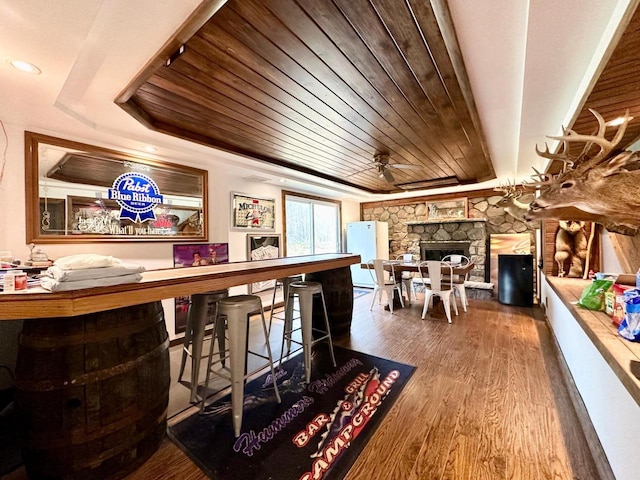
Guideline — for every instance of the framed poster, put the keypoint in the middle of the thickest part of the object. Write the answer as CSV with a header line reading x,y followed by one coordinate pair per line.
x,y
260,247
251,212
452,209
191,255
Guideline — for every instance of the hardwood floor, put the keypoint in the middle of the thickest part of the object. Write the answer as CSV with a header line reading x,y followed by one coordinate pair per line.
x,y
486,402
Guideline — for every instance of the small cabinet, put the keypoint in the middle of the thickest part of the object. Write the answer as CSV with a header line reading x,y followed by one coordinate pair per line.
x,y
515,280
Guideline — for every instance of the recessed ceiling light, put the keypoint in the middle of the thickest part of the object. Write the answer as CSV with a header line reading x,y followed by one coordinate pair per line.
x,y
150,149
25,67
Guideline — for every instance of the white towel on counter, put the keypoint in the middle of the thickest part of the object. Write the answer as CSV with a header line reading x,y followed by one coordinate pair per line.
x,y
86,260
63,275
49,283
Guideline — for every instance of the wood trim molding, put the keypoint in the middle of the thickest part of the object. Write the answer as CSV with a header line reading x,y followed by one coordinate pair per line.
x,y
190,26
627,249
486,192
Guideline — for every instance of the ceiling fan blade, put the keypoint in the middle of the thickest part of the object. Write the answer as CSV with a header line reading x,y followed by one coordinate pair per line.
x,y
388,176
373,167
402,165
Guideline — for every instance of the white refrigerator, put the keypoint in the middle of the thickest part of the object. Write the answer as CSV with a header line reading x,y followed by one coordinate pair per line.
x,y
370,240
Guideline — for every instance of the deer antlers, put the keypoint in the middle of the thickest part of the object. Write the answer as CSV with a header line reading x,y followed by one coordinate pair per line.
x,y
607,152
561,156
598,138
509,189
543,179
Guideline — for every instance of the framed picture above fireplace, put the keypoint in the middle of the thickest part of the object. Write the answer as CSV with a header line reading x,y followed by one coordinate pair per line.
x,y
450,209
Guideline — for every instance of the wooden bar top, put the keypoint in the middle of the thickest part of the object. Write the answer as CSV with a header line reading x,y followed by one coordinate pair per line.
x,y
616,350
160,284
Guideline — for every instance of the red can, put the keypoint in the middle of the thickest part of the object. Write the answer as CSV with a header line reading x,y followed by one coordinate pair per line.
x,y
20,280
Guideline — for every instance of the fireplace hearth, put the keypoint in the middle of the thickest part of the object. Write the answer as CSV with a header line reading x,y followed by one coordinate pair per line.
x,y
437,250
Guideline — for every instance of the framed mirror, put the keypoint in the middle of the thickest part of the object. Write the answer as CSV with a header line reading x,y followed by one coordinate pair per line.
x,y
83,193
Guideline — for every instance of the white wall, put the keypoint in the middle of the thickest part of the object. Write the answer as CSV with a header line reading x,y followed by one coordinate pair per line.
x,y
350,213
152,255
610,263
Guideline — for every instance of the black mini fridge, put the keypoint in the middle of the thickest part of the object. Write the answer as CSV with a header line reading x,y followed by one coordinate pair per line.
x,y
515,280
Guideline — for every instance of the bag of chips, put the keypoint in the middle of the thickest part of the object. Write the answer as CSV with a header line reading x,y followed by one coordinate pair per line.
x,y
618,303
592,297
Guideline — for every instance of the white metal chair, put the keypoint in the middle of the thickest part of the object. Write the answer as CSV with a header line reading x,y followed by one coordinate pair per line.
x,y
438,285
383,283
458,280
407,277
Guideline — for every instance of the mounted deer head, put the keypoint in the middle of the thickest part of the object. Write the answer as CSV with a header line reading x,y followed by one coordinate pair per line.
x,y
510,201
603,187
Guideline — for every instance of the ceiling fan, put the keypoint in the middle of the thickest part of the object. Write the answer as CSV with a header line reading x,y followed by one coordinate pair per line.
x,y
381,163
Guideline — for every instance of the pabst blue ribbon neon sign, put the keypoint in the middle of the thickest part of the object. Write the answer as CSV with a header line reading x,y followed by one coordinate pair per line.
x,y
137,195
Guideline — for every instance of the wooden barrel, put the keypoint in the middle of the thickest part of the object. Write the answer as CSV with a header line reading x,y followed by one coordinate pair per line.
x,y
338,293
93,392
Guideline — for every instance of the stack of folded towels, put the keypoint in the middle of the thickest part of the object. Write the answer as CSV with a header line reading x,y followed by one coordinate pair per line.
x,y
87,271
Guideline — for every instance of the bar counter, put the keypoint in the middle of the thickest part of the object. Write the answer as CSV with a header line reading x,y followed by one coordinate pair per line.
x,y
92,373
160,284
599,362
615,350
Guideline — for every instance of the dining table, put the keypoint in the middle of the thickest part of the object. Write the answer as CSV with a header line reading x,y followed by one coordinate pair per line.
x,y
396,267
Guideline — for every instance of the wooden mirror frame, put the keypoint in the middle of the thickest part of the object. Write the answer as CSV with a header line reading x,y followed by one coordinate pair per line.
x,y
92,154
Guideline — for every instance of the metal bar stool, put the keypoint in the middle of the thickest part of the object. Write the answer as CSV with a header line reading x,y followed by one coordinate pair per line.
x,y
288,310
305,292
236,309
194,333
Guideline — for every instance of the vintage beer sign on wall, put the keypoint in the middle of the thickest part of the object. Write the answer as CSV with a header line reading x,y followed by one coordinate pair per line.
x,y
137,194
253,212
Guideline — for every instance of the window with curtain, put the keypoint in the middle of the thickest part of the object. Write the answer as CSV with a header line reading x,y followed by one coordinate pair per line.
x,y
312,224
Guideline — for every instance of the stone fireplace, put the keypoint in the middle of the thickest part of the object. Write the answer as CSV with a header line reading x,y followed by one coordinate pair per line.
x,y
433,240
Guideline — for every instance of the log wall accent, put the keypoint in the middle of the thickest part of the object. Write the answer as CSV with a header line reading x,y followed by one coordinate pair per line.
x,y
627,250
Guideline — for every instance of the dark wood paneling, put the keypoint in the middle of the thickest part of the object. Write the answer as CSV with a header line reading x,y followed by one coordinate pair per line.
x,y
322,86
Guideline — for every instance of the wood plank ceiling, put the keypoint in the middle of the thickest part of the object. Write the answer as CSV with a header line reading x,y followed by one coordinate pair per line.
x,y
323,86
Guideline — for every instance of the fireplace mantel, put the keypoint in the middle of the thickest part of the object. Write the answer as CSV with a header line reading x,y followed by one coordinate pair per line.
x,y
455,220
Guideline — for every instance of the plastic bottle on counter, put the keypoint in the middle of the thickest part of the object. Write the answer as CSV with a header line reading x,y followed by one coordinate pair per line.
x,y
9,282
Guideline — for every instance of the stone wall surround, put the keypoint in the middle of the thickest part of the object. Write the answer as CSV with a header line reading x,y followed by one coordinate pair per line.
x,y
408,226
473,231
